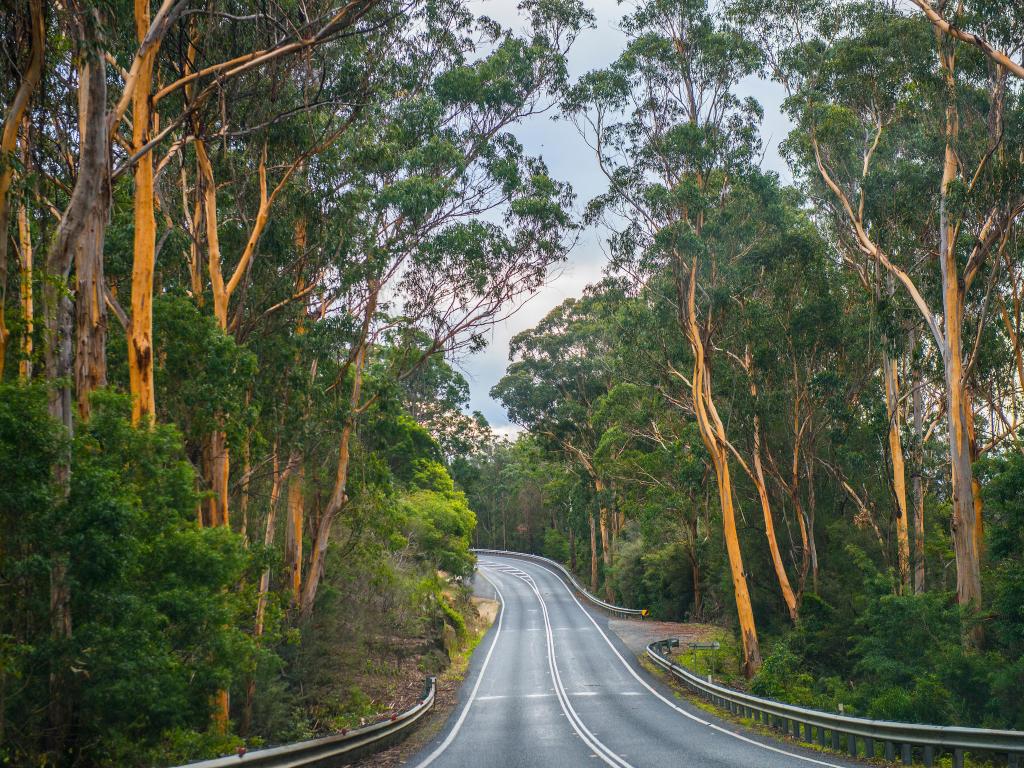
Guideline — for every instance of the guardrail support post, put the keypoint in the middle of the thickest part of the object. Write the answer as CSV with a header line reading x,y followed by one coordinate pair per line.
x,y
821,736
958,758
835,739
851,744
907,754
890,751
929,756
1013,760
869,747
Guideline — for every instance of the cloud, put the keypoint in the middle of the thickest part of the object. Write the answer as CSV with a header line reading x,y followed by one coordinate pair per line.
x,y
570,159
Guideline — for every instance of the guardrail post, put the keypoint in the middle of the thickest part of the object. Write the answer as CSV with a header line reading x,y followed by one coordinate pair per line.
x,y
835,739
1013,760
929,756
851,744
958,758
869,747
907,754
890,751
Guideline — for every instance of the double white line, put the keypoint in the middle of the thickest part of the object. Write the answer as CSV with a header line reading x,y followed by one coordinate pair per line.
x,y
596,745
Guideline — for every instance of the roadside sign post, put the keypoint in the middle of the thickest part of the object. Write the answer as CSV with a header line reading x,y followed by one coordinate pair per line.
x,y
713,647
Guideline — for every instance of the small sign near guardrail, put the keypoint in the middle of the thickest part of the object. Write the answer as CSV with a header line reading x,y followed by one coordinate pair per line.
x,y
713,647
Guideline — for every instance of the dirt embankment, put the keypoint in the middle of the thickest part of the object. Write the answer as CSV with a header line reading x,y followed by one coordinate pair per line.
x,y
448,683
637,635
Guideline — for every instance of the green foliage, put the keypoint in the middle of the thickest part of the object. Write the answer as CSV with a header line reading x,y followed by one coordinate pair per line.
x,y
556,546
440,524
153,601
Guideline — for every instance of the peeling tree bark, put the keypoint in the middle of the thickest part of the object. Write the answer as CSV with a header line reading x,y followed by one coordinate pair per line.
x,y
8,144
57,313
25,280
899,481
293,532
140,331
90,308
712,432
964,522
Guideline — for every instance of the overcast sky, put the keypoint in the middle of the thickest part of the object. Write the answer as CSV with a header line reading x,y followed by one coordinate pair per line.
x,y
569,159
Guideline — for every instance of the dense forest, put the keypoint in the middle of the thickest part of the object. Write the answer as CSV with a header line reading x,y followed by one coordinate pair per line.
x,y
243,247
796,408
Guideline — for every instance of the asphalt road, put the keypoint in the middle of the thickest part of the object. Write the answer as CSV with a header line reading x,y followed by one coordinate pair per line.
x,y
551,685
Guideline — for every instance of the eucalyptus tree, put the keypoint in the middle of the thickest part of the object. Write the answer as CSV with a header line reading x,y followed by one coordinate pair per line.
x,y
679,149
421,180
929,135
560,370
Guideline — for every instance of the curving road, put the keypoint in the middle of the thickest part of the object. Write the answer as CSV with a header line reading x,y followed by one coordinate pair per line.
x,y
551,685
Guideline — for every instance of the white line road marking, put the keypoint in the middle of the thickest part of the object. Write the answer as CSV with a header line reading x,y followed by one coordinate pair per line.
x,y
589,738
472,696
680,710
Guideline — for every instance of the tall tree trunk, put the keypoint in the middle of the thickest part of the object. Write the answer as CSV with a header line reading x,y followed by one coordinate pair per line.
x,y
606,548
712,432
339,495
140,331
572,549
278,481
243,500
965,546
593,554
293,532
762,493
57,313
90,311
812,504
918,480
899,481
8,144
25,278
219,468
698,599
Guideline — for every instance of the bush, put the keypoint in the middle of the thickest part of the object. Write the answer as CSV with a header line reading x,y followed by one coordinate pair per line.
x,y
152,596
556,546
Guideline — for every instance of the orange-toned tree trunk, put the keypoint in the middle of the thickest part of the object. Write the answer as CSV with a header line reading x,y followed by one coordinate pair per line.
x,y
757,475
25,282
712,432
218,450
140,331
593,554
958,411
899,478
293,532
8,143
606,546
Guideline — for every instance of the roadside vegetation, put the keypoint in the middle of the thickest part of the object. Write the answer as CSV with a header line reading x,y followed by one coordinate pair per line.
x,y
240,245
793,408
243,247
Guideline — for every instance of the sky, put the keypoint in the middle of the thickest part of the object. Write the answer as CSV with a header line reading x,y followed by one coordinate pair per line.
x,y
569,159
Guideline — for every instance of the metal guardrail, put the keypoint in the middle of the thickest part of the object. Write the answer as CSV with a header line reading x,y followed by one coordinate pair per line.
x,y
567,575
858,736
337,748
